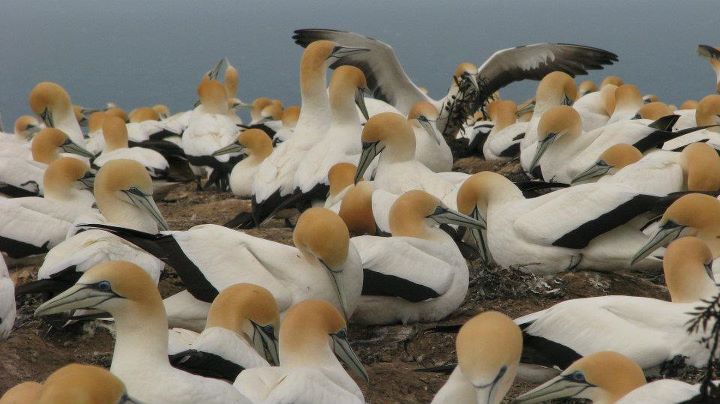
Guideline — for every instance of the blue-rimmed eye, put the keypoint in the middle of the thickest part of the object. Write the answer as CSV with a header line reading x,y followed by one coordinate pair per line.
x,y
342,334
104,286
577,376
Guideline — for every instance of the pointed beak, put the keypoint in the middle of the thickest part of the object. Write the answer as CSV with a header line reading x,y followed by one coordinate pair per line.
x,y
338,289
215,71
70,147
567,101
342,51
266,343
370,150
479,239
448,216
47,117
525,109
667,233
429,128
79,296
596,170
32,130
542,148
147,203
360,102
558,387
88,181
472,79
344,352
234,147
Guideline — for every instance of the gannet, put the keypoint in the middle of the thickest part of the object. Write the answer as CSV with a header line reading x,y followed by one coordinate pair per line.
x,y
323,264
163,110
313,336
209,129
26,392
123,190
140,357
86,384
650,331
627,103
144,124
391,136
389,82
7,301
116,147
289,120
488,348
341,143
32,225
52,103
586,87
241,333
596,230
430,146
706,114
654,111
17,144
257,146
274,181
712,55
341,178
503,141
596,107
418,274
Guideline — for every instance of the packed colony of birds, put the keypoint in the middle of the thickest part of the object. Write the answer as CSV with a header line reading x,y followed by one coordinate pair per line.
x,y
616,181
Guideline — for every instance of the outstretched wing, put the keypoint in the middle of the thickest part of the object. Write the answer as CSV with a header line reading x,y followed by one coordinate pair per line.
x,y
385,76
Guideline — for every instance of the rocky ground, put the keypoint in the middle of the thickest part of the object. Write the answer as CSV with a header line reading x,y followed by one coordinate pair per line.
x,y
392,355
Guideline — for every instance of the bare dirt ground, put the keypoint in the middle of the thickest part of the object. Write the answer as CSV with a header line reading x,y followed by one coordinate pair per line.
x,y
392,355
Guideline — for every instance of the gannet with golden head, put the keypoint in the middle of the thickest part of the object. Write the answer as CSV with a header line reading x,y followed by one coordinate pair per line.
x,y
429,274
488,348
241,333
210,128
123,190
95,141
141,347
82,384
313,343
597,106
650,331
52,103
696,169
431,149
707,113
256,145
231,81
597,229
712,55
341,178
653,111
116,147
391,136
586,87
275,178
33,225
26,392
145,123
610,378
322,265
560,138
17,144
503,141
628,101
391,84
341,143
7,301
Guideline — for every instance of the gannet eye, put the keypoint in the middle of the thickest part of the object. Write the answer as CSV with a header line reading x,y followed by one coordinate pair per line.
x,y
577,377
104,286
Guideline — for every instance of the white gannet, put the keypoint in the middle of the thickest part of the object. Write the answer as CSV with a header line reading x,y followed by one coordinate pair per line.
x,y
712,55
586,226
597,107
33,224
26,392
209,129
706,114
503,141
663,391
586,87
696,168
341,143
82,384
648,98
231,81
52,103
341,178
603,378
418,274
627,103
144,124
654,111
289,119
140,358
650,331
163,110
322,265
95,140
275,178
116,147
257,146
17,144
430,146
488,349
389,82
123,190
391,136
313,336
241,333
22,177
7,301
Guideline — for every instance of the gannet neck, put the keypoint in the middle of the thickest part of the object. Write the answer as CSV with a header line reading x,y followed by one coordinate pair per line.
x,y
141,339
45,145
115,133
628,101
313,66
503,114
607,93
686,276
343,86
701,165
708,112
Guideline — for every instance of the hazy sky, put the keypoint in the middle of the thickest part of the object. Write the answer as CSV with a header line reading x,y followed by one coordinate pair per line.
x,y
139,52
